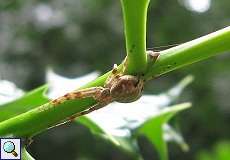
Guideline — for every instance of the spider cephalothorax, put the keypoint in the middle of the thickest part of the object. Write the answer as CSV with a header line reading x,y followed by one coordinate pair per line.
x,y
124,88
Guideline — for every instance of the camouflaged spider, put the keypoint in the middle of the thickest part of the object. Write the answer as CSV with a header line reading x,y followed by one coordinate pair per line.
x,y
118,87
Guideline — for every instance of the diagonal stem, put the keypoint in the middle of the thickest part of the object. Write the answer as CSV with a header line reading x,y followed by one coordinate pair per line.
x,y
188,53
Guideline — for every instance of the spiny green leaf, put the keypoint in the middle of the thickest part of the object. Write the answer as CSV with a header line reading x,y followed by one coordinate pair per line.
x,y
153,130
124,143
94,128
26,155
29,101
97,130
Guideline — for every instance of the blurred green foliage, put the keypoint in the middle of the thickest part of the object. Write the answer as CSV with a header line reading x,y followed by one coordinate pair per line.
x,y
78,36
221,151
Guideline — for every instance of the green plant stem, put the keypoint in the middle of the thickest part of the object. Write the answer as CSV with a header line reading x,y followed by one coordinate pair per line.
x,y
41,118
135,15
45,116
196,50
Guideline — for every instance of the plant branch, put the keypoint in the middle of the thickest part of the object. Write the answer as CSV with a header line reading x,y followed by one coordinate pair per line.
x,y
135,15
196,50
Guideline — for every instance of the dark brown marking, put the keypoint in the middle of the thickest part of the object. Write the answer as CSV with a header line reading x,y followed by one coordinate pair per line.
x,y
54,102
114,71
68,98
77,94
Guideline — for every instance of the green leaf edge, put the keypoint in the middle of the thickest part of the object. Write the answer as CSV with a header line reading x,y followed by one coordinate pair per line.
x,y
156,123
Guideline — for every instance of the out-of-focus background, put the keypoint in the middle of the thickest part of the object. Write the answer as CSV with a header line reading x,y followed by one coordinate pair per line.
x,y
75,37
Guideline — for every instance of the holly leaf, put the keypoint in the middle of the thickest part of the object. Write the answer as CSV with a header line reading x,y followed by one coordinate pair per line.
x,y
25,155
25,103
153,128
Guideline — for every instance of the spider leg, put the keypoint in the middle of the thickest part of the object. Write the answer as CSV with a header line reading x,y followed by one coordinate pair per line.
x,y
89,110
100,94
95,92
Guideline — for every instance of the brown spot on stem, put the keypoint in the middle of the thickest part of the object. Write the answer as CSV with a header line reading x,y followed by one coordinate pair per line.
x,y
77,94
